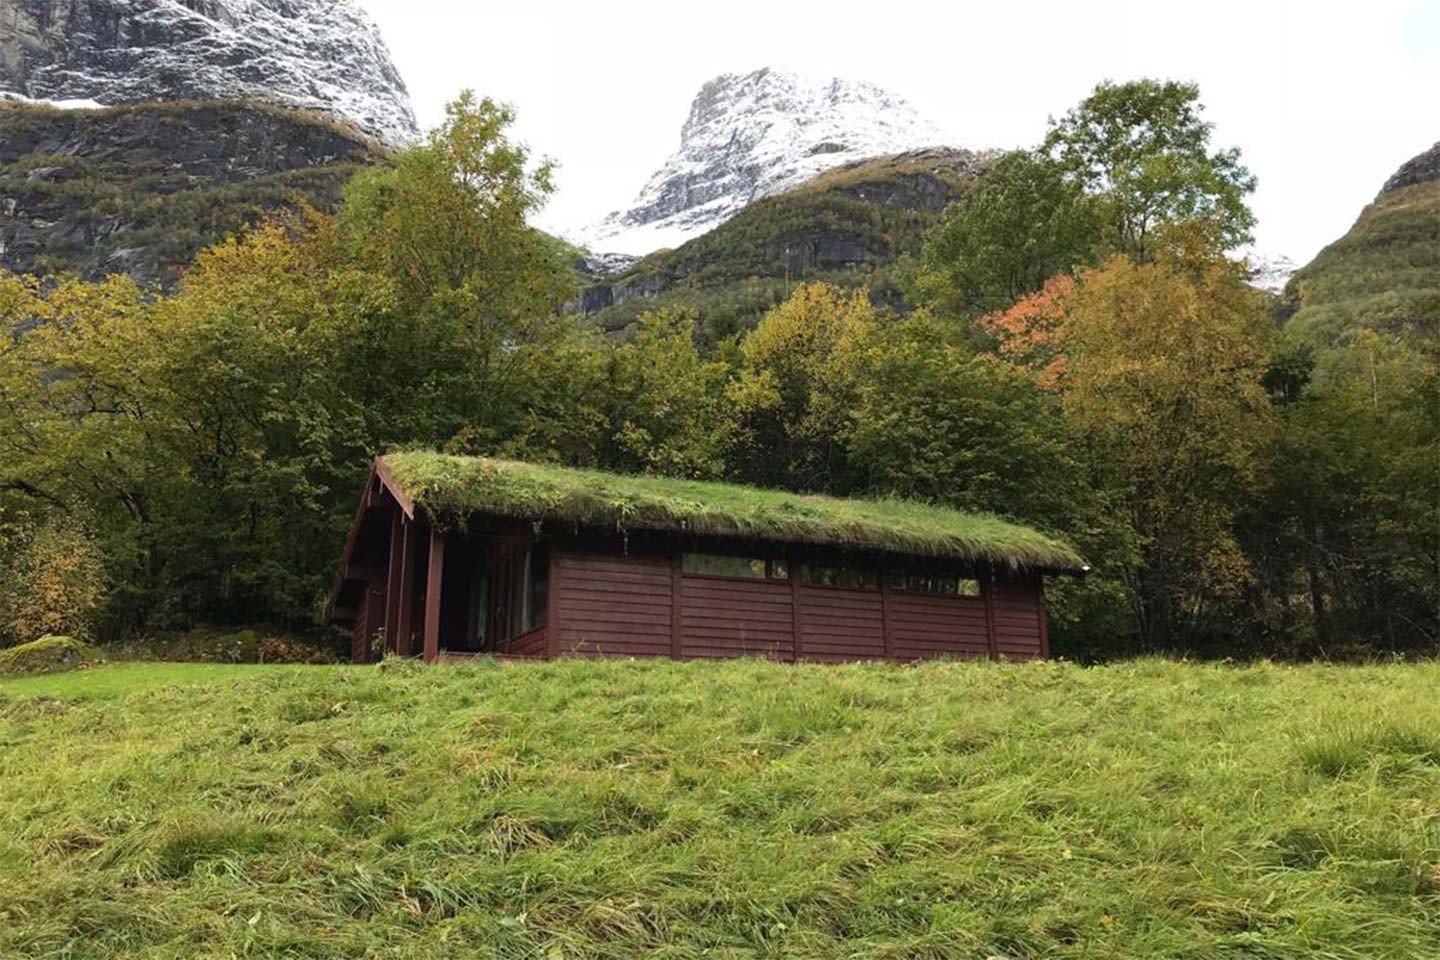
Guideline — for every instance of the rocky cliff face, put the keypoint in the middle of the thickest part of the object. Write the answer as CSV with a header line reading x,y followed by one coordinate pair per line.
x,y
324,55
140,189
755,135
1422,168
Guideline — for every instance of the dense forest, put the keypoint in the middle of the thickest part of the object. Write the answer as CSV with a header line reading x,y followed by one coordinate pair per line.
x,y
1072,345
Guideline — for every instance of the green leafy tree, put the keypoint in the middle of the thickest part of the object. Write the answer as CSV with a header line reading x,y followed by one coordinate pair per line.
x,y
1143,150
669,410
1350,520
1023,223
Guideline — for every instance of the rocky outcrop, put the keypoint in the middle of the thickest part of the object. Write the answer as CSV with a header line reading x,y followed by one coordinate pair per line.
x,y
324,55
755,135
140,189
1419,169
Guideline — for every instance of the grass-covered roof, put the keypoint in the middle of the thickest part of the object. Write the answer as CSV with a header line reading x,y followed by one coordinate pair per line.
x,y
454,486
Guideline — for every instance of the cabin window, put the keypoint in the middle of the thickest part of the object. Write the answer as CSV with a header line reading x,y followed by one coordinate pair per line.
x,y
939,585
737,567
537,587
842,577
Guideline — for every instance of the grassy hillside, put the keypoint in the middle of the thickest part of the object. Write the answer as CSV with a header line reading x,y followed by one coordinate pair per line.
x,y
1384,273
848,225
742,809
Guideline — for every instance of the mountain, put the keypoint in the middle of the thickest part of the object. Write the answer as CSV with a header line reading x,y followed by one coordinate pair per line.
x,y
1384,273
848,226
140,189
324,55
1270,272
754,135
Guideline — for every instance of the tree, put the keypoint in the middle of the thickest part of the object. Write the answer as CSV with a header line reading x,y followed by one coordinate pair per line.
x,y
1024,222
1143,151
795,391
1350,519
669,413
1030,335
446,226
1163,384
932,420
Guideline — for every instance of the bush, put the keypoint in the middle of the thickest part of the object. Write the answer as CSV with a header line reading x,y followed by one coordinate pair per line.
x,y
52,582
209,645
48,655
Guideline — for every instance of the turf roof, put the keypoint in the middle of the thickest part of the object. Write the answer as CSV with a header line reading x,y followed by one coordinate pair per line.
x,y
449,486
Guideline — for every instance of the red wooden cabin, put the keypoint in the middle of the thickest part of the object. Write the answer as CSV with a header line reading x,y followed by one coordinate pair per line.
x,y
456,556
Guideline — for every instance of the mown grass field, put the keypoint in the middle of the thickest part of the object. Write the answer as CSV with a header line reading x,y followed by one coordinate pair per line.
x,y
744,809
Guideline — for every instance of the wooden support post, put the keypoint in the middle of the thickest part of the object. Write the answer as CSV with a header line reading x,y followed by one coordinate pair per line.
x,y
1044,619
391,624
885,615
677,608
405,607
436,570
552,607
797,615
988,588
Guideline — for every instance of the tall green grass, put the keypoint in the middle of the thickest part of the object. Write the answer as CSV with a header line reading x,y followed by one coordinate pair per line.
x,y
743,809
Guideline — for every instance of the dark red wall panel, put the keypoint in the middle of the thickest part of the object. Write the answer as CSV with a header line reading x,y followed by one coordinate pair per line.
x,y
729,618
841,624
1017,620
925,625
612,604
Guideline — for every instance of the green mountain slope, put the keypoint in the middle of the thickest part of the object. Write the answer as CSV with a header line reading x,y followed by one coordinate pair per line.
x,y
848,225
139,189
1384,273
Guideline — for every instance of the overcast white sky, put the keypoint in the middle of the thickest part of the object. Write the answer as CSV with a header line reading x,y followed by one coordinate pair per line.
x,y
1324,99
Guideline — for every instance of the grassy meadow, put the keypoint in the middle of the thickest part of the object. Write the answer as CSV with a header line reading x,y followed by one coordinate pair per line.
x,y
732,810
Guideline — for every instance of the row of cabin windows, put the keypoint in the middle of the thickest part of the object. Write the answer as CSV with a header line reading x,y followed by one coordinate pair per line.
x,y
824,575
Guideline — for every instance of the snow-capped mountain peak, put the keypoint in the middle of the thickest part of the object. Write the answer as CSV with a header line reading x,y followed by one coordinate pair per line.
x,y
751,135
320,54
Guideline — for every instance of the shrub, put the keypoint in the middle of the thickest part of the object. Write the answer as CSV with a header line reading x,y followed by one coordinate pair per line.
x,y
52,582
47,655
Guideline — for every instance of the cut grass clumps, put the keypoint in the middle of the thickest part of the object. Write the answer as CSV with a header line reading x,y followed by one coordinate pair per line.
x,y
48,655
615,809
455,487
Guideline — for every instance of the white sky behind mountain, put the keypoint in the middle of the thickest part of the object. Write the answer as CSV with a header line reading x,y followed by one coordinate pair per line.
x,y
1325,99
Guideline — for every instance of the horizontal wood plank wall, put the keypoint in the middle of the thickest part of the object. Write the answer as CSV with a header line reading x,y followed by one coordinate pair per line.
x,y
1018,634
612,604
731,618
926,625
841,624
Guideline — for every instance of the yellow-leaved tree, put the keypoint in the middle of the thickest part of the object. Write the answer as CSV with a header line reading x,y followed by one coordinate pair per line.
x,y
1163,384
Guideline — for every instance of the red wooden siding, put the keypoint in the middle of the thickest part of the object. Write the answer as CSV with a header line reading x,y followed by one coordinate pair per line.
x,y
730,618
1017,620
841,624
927,625
612,604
